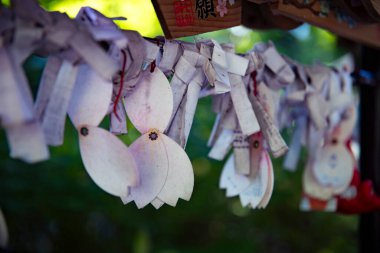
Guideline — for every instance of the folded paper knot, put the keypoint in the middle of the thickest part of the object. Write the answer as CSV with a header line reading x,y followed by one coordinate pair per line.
x,y
256,62
184,70
170,55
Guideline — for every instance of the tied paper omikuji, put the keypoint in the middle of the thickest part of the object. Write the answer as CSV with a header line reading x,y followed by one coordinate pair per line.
x,y
96,70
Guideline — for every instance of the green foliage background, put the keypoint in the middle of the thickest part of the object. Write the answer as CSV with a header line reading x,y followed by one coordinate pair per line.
x,y
55,207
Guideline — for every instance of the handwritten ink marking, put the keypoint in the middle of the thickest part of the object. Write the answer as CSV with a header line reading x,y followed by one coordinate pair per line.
x,y
205,8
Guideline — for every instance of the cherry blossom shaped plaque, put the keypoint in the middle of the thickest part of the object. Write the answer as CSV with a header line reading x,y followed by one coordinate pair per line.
x,y
255,192
233,182
91,97
165,170
107,160
150,105
180,180
153,165
268,193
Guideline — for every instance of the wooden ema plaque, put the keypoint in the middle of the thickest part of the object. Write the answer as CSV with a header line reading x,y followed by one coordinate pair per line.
x,y
180,18
368,34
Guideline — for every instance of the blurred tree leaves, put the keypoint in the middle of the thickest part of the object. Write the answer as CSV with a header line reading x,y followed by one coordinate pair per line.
x,y
55,207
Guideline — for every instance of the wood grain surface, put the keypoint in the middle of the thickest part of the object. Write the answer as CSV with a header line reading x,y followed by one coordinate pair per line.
x,y
368,34
165,10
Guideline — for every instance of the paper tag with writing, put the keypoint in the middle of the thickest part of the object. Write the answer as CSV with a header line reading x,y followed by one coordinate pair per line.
x,y
222,145
246,116
273,137
241,147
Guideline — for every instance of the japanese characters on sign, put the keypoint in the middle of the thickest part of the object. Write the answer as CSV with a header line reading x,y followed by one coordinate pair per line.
x,y
183,11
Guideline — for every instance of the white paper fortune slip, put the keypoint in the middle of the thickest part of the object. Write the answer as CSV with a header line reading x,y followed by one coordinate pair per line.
x,y
93,55
280,74
26,39
272,135
241,147
216,68
222,145
26,142
54,118
49,75
292,157
118,119
317,109
243,108
17,114
170,55
183,73
188,93
16,105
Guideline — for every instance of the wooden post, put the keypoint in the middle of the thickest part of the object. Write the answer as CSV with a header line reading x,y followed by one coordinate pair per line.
x,y
369,225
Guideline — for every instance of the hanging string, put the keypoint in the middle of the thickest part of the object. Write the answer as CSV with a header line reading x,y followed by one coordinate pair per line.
x,y
153,64
121,85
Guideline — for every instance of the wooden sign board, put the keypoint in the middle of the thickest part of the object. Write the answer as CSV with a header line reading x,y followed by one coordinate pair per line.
x,y
180,18
368,34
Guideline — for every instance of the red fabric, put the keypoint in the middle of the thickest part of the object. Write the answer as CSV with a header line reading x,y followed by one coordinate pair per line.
x,y
253,76
364,201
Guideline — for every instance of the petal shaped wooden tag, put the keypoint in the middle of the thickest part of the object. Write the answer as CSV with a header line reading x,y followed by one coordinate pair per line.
x,y
152,163
91,97
180,180
157,203
268,193
230,180
150,105
107,160
311,186
258,185
256,151
334,167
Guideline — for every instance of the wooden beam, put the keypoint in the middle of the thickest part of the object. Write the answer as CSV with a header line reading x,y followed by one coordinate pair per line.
x,y
368,34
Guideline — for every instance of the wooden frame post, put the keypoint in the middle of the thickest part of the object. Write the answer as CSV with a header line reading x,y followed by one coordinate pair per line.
x,y
369,224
